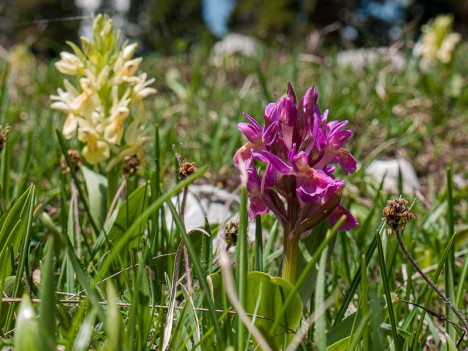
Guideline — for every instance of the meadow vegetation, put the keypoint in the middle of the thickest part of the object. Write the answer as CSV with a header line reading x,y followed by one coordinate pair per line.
x,y
80,271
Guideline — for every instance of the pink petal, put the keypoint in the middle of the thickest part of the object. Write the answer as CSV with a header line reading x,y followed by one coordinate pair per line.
x,y
257,207
346,161
310,189
270,134
350,222
270,111
278,163
337,139
253,134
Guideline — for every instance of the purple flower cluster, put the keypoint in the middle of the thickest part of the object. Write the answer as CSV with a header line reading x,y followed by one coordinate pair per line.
x,y
296,148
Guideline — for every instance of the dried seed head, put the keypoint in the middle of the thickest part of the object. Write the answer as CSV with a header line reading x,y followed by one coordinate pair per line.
x,y
186,168
3,136
396,215
231,231
75,160
131,165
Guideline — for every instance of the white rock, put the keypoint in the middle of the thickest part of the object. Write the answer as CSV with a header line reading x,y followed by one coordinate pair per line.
x,y
218,205
234,43
389,169
358,59
208,201
460,181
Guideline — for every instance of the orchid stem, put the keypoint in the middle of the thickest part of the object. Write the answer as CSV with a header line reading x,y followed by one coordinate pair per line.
x,y
291,245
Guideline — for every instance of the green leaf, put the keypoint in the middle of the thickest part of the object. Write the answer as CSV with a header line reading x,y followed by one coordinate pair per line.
x,y
14,227
266,295
97,190
47,296
321,322
206,259
83,337
27,335
242,266
113,325
216,289
124,216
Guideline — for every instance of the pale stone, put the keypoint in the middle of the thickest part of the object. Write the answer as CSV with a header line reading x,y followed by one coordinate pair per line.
x,y
389,171
235,43
358,59
217,205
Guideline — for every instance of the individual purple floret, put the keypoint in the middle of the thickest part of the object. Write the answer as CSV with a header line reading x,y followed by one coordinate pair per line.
x,y
289,164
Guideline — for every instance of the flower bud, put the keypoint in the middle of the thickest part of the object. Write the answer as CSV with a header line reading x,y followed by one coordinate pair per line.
x,y
85,44
128,51
70,64
131,66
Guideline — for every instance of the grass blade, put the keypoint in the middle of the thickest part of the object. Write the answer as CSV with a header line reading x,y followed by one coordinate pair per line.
x,y
388,296
450,264
47,296
242,265
147,213
193,254
356,280
321,322
258,244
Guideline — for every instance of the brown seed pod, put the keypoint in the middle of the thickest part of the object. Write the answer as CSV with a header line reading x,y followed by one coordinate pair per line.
x,y
396,215
186,168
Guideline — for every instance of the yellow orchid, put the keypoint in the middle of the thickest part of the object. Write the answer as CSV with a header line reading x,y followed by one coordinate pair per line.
x,y
438,42
107,103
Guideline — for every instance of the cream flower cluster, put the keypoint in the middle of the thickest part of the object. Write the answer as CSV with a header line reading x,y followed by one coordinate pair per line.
x,y
438,42
105,105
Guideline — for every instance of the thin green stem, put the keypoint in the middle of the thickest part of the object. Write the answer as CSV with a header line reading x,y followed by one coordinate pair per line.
x,y
430,282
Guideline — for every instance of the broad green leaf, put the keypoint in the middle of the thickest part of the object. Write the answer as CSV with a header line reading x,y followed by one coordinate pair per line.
x,y
217,290
129,210
206,259
97,190
124,216
266,295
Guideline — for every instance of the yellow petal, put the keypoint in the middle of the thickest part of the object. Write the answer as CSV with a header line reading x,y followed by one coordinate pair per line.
x,y
70,126
96,151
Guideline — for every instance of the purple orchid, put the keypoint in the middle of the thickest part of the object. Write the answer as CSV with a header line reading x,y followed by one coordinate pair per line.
x,y
296,149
